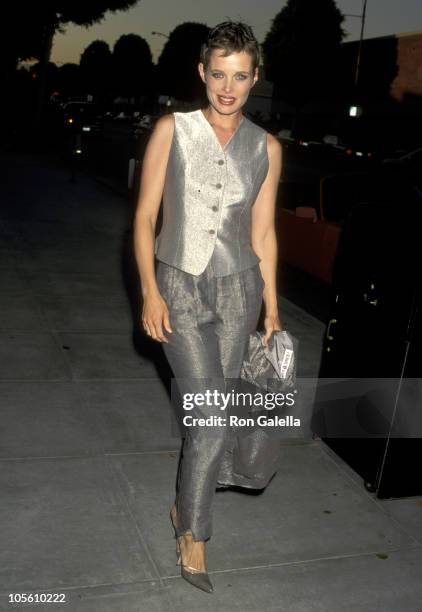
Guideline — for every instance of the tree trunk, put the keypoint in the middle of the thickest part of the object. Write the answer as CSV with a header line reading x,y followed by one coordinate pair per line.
x,y
49,31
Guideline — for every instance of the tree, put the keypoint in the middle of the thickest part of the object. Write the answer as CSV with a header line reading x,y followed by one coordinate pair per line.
x,y
22,35
44,19
178,63
301,50
52,76
132,66
95,69
69,80
21,39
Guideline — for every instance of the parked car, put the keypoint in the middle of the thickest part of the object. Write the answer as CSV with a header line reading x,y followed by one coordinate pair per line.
x,y
309,243
408,166
333,144
330,146
123,116
83,117
143,124
360,151
310,234
286,138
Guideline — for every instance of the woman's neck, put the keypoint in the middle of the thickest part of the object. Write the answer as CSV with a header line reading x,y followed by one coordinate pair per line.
x,y
217,120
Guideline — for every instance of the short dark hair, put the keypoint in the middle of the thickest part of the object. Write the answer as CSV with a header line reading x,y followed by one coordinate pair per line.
x,y
231,36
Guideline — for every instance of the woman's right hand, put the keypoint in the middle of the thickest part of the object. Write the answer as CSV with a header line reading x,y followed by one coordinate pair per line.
x,y
155,316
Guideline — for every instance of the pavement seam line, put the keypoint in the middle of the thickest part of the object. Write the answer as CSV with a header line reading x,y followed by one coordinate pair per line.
x,y
115,479
302,561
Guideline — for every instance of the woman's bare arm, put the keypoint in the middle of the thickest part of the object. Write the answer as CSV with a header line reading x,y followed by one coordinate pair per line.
x,y
264,241
154,165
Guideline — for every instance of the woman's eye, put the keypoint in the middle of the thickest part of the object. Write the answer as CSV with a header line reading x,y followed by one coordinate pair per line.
x,y
239,77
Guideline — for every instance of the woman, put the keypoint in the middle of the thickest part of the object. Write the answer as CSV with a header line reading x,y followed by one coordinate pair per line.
x,y
218,175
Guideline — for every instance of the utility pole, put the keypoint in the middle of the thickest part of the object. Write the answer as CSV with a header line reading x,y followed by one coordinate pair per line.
x,y
362,28
356,109
362,17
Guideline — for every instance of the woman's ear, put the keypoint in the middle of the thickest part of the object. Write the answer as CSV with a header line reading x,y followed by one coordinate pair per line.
x,y
201,71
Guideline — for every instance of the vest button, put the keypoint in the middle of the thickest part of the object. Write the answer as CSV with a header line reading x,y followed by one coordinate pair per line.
x,y
219,185
214,208
211,231
220,162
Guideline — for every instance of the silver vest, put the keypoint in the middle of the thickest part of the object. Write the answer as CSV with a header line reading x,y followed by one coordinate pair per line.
x,y
208,194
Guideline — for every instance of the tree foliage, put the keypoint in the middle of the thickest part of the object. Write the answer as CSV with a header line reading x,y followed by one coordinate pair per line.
x,y
52,75
178,63
33,25
31,22
95,68
302,48
132,66
22,38
69,80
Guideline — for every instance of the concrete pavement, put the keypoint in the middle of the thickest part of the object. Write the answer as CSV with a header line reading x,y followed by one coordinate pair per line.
x,y
88,448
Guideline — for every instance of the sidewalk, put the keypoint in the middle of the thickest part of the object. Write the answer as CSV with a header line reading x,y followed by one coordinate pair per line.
x,y
88,456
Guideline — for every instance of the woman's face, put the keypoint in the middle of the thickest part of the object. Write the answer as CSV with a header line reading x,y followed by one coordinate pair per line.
x,y
228,80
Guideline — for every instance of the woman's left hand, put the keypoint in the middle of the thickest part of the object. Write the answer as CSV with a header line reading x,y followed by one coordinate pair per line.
x,y
271,323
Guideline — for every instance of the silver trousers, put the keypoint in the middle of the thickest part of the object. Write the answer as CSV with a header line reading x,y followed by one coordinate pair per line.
x,y
211,318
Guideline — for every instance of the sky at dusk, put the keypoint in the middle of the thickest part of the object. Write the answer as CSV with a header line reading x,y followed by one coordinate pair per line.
x,y
383,17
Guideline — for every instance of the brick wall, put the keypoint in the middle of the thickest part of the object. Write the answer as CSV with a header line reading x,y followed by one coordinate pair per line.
x,y
409,61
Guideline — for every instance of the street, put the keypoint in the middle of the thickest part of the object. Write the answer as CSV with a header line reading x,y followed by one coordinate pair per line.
x,y
108,155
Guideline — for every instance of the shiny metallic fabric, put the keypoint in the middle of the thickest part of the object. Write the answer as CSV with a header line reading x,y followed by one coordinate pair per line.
x,y
212,318
271,367
208,194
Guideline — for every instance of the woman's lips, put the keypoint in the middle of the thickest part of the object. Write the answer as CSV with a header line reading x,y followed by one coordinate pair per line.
x,y
226,99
